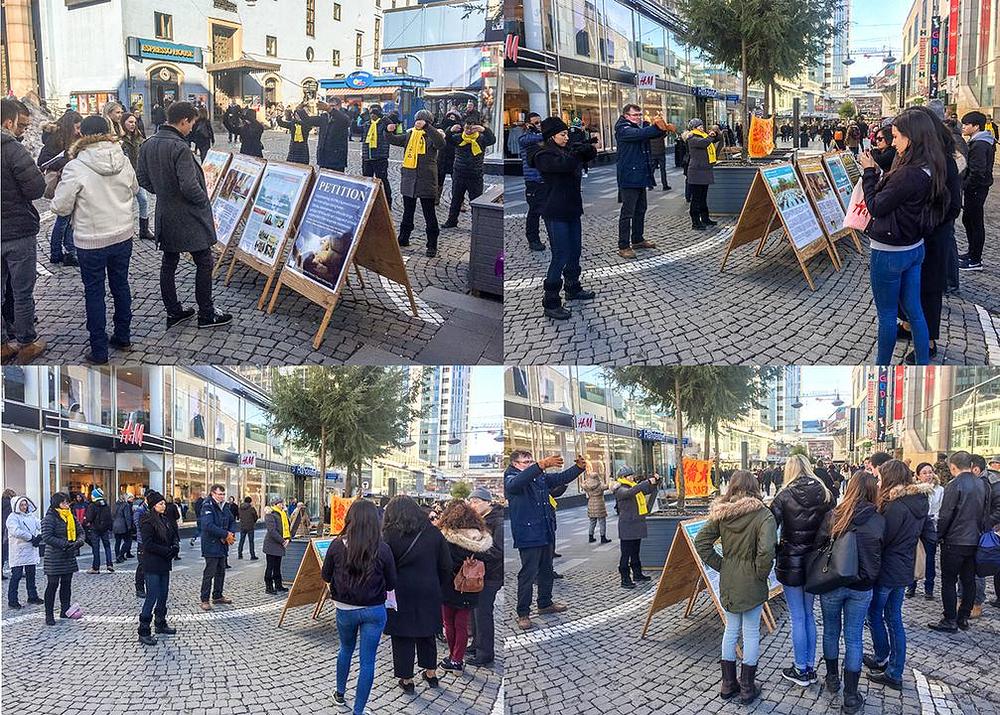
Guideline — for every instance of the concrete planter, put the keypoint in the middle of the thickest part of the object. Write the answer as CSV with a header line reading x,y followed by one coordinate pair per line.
x,y
655,547
486,248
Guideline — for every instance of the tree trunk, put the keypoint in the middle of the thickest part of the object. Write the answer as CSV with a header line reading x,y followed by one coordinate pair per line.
x,y
746,100
708,440
679,444
715,431
322,465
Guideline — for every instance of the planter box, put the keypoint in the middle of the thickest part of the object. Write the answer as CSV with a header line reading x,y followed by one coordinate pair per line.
x,y
732,184
655,547
487,243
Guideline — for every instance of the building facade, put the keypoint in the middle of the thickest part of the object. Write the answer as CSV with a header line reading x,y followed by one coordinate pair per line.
x,y
782,391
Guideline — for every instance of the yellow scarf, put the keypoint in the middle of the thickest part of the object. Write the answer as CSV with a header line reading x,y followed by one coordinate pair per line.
x,y
470,139
67,516
415,146
640,498
553,502
286,532
372,139
298,133
711,147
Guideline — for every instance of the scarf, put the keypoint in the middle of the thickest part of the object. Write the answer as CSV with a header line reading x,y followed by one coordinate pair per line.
x,y
553,502
286,532
470,140
711,147
640,498
372,139
415,146
298,133
67,516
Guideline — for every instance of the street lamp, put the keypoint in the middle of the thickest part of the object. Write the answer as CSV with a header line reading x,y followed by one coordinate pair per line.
x,y
848,61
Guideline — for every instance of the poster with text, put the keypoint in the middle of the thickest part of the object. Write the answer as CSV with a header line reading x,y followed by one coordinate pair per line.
x,y
330,224
851,166
790,199
692,530
822,192
233,195
214,166
271,215
841,179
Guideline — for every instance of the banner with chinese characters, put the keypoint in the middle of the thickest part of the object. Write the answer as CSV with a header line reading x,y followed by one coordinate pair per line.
x,y
761,142
338,513
697,473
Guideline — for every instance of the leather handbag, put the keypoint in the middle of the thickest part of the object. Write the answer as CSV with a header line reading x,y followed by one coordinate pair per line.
x,y
834,565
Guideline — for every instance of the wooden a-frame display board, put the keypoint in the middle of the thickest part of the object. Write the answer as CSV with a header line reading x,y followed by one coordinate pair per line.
x,y
685,575
372,244
761,215
241,179
242,250
309,588
216,161
823,197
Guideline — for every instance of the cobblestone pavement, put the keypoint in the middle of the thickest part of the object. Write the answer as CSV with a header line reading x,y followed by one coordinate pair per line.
x,y
373,325
590,659
233,659
672,305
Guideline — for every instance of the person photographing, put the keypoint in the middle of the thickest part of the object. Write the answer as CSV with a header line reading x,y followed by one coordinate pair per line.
x,y
634,500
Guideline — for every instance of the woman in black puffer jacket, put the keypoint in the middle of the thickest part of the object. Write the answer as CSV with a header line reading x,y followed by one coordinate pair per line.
x,y
799,509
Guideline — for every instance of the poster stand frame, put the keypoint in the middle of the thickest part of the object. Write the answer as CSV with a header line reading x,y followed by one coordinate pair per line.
x,y
306,577
840,233
225,168
225,246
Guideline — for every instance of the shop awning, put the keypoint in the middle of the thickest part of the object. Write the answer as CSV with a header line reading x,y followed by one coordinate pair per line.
x,y
363,92
243,65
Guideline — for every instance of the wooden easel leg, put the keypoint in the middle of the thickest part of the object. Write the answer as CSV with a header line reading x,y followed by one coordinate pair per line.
x,y
768,618
413,301
319,604
322,328
805,270
694,592
763,239
218,263
831,248
267,288
857,241
649,619
361,278
274,297
729,249
232,265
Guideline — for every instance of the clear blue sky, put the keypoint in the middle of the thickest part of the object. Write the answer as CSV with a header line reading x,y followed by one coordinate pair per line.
x,y
874,24
823,379
485,407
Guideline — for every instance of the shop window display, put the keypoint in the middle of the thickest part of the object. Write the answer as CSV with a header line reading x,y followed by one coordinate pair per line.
x,y
85,395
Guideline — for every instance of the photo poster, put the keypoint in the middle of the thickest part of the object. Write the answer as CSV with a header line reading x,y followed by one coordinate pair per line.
x,y
274,210
233,195
214,166
711,576
822,193
790,199
851,165
834,164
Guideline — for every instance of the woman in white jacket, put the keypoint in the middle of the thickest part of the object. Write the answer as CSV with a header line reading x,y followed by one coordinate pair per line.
x,y
24,534
97,190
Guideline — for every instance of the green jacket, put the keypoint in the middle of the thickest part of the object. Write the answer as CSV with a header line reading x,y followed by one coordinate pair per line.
x,y
749,533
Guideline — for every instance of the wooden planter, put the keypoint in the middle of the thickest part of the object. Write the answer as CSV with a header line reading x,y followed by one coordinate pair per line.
x,y
486,247
729,192
654,548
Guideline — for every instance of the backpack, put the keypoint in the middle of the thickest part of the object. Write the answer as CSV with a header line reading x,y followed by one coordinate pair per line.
x,y
838,135
471,576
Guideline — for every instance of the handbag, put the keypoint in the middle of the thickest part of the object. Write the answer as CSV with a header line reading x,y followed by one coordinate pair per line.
x,y
471,576
834,565
857,216
51,182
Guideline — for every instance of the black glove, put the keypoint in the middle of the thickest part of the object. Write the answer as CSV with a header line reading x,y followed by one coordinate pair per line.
x,y
36,540
174,550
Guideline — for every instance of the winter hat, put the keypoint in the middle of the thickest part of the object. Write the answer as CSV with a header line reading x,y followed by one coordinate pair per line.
x,y
57,499
425,115
276,501
937,106
481,493
977,118
153,498
695,123
473,117
625,471
94,125
97,495
375,109
552,126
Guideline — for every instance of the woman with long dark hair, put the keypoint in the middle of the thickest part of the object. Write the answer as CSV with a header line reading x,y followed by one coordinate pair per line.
x,y
132,138
925,474
57,139
844,608
202,134
360,569
159,547
63,537
423,567
906,204
882,150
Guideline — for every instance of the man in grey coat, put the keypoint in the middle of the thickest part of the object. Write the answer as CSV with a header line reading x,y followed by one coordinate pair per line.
x,y
634,500
184,221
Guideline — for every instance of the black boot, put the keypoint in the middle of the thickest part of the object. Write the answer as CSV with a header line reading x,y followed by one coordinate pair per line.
x,y
145,636
707,221
591,539
268,586
144,233
575,291
853,701
638,575
749,691
832,675
697,225
279,587
162,627
730,683
552,303
626,580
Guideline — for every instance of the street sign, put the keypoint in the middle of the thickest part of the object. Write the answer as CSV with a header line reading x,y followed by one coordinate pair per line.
x,y
359,79
248,460
585,423
645,80
932,91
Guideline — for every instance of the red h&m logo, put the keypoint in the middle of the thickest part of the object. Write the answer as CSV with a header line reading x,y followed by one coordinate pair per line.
x,y
132,432
510,47
860,208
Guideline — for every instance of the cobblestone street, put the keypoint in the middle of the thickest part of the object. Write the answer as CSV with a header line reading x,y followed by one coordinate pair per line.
x,y
672,305
371,325
590,659
233,659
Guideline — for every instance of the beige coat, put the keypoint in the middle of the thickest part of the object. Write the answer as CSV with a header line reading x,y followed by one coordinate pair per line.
x,y
594,487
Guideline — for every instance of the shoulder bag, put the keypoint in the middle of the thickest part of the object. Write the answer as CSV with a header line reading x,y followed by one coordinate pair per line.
x,y
834,565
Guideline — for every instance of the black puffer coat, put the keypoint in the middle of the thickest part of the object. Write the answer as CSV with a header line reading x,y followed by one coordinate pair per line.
x,y
798,510
60,552
469,165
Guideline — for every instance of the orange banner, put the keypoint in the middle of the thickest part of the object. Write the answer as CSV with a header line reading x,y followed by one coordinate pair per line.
x,y
697,481
338,512
761,139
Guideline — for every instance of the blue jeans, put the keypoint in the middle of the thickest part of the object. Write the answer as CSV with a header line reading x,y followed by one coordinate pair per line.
x,y
157,588
930,549
142,198
95,264
895,278
885,619
749,623
566,240
800,608
15,580
369,622
96,539
61,239
844,608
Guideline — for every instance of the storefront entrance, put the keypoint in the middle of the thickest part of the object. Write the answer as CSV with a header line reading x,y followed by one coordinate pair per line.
x,y
164,86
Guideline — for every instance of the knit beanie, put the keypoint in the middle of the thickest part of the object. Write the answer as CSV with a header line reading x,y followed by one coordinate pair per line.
x,y
97,495
94,125
153,498
625,472
552,126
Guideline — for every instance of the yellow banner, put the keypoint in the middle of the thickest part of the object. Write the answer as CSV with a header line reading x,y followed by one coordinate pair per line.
x,y
338,512
761,139
697,481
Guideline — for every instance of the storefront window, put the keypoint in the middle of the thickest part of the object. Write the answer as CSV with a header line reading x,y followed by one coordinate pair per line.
x,y
190,408
133,386
515,384
596,451
625,451
577,29
138,473
617,50
555,390
15,384
255,430
226,409
559,440
595,397
188,482
85,395
651,40
517,435
280,484
253,487
580,99
82,479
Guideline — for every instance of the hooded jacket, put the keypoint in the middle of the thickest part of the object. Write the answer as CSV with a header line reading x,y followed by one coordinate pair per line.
x,y
869,530
531,137
158,545
274,540
632,524
897,203
122,522
595,487
368,590
748,533
905,512
420,182
216,523
421,577
334,133
465,543
21,183
98,517
60,552
561,169
248,517
963,511
982,154
22,527
532,520
799,509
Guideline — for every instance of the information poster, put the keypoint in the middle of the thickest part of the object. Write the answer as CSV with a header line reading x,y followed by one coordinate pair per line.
x,y
790,200
712,576
697,472
322,546
281,190
234,194
330,225
841,179
823,194
338,512
214,166
851,166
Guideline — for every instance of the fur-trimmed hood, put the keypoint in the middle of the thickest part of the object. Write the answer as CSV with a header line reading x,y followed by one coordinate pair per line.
x,y
723,510
473,540
905,490
91,140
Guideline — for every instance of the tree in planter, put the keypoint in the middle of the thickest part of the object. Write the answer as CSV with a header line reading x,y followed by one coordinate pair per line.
x,y
349,415
799,449
847,110
460,490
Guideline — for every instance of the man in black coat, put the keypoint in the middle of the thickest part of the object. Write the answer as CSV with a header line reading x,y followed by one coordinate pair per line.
x,y
483,635
334,133
375,147
977,182
991,479
470,142
98,520
22,183
184,221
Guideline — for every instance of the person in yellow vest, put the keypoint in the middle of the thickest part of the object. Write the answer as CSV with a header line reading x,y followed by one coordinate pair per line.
x,y
375,135
276,537
634,500
63,537
418,176
702,155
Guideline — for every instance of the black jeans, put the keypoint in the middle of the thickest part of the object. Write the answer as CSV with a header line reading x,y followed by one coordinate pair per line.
x,y
379,168
632,219
958,563
403,649
430,220
140,571
462,184
972,219
483,640
659,161
272,571
566,242
123,545
244,535
534,195
16,573
215,571
64,582
202,282
536,564
629,559
699,202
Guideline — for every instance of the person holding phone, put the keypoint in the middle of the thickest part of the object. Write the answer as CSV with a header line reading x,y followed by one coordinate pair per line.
x,y
634,499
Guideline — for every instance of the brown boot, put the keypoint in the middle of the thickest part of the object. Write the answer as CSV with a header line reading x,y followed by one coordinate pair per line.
x,y
626,253
730,684
644,244
524,623
749,691
554,608
29,352
9,351
977,611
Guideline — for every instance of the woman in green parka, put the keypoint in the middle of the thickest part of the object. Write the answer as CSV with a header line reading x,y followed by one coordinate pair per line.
x,y
748,533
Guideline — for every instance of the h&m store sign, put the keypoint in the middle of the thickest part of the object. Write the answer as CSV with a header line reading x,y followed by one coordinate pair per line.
x,y
160,50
